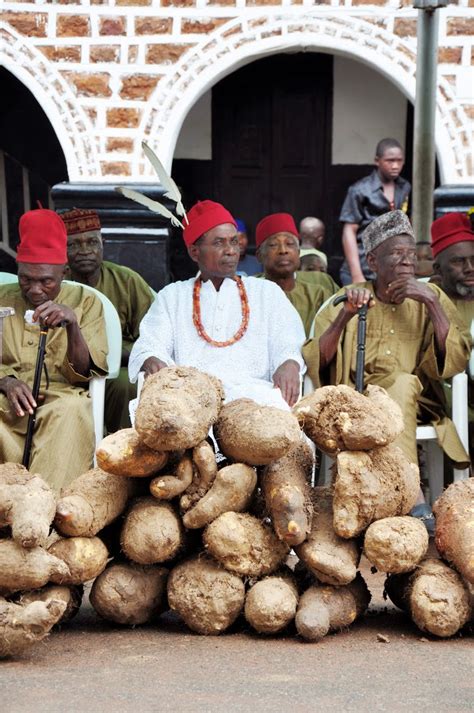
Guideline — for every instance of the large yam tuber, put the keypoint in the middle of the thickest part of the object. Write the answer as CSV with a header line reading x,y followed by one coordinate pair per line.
x,y
340,418
372,485
286,491
123,453
27,505
396,544
151,532
271,604
129,594
254,434
232,489
92,501
454,535
331,558
22,568
434,595
207,597
85,557
71,595
325,608
167,487
177,407
242,544
21,626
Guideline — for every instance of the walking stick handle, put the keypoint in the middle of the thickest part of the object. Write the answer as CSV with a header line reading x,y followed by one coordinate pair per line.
x,y
361,336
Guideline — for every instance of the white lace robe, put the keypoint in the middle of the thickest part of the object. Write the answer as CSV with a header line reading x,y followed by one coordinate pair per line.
x,y
275,333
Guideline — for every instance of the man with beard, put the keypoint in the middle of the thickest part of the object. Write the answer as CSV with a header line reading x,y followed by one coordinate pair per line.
x,y
453,250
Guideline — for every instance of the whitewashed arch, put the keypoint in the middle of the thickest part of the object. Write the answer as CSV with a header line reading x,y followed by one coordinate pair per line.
x,y
69,121
244,40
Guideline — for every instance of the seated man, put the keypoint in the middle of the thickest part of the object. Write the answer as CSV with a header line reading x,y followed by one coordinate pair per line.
x,y
412,330
242,330
453,249
76,350
126,289
312,260
278,250
248,264
312,233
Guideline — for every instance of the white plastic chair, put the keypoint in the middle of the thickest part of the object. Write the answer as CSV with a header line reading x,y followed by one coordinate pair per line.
x,y
7,278
113,330
114,356
424,434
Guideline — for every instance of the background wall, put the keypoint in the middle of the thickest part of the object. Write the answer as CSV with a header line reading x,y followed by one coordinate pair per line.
x,y
100,68
366,108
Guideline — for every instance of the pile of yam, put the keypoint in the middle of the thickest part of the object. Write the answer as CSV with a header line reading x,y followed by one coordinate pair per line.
x,y
232,538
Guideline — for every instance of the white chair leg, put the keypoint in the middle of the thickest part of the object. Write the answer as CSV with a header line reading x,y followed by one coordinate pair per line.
x,y
461,419
435,469
97,395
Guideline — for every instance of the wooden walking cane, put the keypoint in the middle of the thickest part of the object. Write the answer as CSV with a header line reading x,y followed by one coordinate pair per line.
x,y
361,338
36,387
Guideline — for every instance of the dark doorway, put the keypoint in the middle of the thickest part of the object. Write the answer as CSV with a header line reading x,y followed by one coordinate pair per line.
x,y
26,133
271,136
31,160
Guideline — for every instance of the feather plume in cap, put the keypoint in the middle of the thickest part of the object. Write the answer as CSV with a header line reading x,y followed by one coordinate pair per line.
x,y
172,192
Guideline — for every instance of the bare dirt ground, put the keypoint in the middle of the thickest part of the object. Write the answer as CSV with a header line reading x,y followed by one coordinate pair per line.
x,y
91,666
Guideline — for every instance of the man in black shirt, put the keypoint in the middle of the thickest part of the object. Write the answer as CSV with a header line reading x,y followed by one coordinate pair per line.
x,y
380,192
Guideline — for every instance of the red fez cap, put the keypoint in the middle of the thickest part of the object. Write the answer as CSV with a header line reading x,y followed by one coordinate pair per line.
x,y
450,229
43,238
204,216
275,223
80,220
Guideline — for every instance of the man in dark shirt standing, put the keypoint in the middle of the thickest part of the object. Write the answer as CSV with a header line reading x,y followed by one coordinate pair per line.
x,y
382,191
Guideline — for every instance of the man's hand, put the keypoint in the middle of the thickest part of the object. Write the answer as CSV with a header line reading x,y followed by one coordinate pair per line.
x,y
19,395
54,315
403,287
152,365
287,378
357,297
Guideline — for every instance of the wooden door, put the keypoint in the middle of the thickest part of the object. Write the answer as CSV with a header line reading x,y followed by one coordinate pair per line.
x,y
271,136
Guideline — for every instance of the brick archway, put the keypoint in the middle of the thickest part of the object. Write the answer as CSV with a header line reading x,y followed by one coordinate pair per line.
x,y
58,102
241,41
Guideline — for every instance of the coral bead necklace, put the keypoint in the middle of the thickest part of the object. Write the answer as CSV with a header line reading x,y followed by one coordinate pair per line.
x,y
197,314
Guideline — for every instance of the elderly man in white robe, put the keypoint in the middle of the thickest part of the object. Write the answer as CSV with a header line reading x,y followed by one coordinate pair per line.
x,y
240,329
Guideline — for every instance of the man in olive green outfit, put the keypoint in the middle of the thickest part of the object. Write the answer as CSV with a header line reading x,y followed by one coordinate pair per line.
x,y
452,239
128,292
413,331
76,351
278,250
